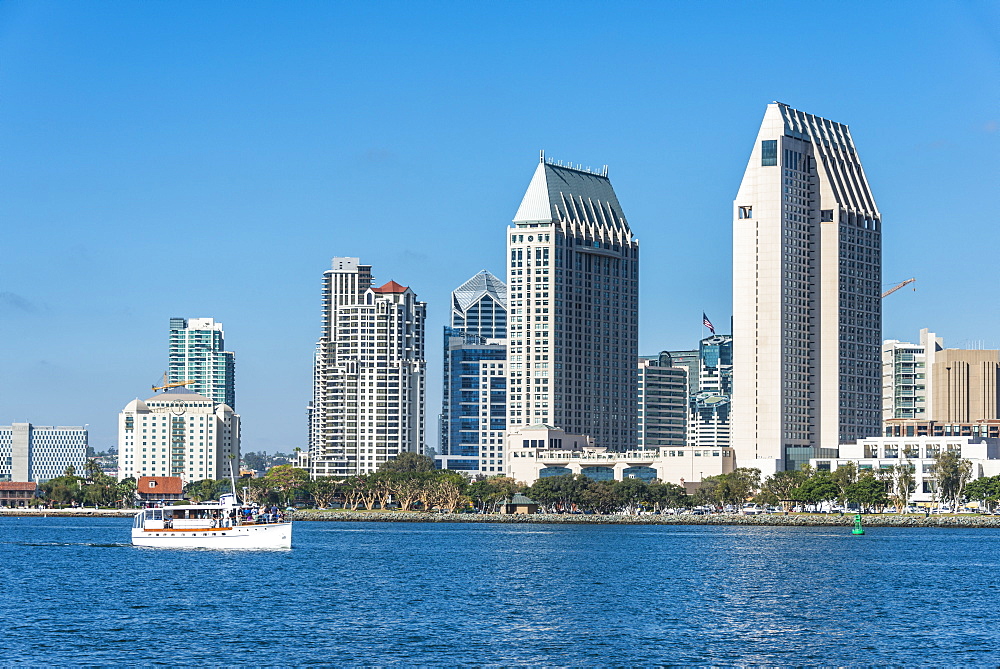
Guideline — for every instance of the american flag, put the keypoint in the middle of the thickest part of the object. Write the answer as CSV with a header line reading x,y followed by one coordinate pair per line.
x,y
707,323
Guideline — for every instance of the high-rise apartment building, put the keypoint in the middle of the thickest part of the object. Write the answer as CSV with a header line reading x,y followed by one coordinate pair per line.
x,y
906,381
474,408
39,453
663,402
573,284
807,317
197,354
368,391
178,433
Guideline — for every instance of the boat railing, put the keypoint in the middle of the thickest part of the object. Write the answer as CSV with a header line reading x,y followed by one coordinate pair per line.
x,y
262,519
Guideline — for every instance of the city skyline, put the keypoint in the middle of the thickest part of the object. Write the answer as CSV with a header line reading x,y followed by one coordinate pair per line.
x,y
232,143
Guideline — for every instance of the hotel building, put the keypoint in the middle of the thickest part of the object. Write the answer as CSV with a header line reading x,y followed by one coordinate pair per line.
x,y
178,433
807,249
573,282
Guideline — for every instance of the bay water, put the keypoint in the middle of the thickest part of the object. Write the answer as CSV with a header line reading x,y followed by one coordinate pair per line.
x,y
74,591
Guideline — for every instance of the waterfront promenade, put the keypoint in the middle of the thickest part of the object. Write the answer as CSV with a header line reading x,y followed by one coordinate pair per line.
x,y
764,520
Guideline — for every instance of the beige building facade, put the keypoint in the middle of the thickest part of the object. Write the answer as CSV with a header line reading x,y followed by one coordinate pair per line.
x,y
178,433
806,294
964,385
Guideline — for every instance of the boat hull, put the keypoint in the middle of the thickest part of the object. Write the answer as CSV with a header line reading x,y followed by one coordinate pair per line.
x,y
272,535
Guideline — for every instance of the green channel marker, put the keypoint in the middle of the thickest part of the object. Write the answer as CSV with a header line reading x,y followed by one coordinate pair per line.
x,y
857,525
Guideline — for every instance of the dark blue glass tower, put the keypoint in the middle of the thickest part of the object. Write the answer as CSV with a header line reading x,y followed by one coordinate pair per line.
x,y
474,410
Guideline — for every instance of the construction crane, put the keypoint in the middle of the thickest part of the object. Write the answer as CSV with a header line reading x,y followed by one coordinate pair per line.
x,y
897,287
170,385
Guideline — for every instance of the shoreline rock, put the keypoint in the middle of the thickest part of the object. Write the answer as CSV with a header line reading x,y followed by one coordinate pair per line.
x,y
792,520
723,519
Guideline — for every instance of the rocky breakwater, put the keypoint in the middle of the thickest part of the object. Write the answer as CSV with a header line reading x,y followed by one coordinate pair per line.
x,y
70,513
765,520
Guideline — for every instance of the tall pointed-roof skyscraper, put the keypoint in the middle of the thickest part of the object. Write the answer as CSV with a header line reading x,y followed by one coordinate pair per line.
x,y
573,286
807,313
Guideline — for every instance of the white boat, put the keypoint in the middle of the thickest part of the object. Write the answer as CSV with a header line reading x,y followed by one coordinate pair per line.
x,y
222,524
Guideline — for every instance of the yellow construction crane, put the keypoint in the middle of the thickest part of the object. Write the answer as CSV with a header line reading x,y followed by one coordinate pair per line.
x,y
897,287
170,385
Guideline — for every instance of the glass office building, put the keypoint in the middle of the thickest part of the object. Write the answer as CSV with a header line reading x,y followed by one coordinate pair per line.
x,y
474,408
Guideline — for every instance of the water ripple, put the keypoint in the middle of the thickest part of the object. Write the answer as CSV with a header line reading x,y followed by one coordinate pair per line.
x,y
503,595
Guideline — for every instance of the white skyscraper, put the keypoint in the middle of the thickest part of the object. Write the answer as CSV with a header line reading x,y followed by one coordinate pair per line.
x,y
368,396
573,286
807,312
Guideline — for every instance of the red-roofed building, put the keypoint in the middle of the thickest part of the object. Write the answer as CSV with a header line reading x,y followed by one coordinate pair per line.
x,y
16,494
391,287
150,489
352,305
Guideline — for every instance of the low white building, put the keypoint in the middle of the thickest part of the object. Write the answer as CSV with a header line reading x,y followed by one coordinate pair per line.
x,y
178,433
39,453
538,451
883,453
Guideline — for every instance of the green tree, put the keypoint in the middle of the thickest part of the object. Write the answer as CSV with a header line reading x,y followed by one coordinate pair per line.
x,y
630,495
708,492
252,491
125,492
325,490
844,476
408,462
985,490
201,491
558,493
734,488
816,488
598,496
953,473
902,483
487,493
777,489
667,496
868,492
65,489
256,461
286,480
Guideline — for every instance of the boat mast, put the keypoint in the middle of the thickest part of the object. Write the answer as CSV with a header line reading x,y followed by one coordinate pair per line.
x,y
232,479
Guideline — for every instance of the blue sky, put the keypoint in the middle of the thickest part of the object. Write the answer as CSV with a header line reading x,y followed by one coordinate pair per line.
x,y
208,159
